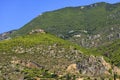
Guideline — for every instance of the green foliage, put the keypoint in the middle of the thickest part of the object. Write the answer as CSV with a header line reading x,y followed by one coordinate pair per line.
x,y
41,73
111,51
93,18
29,41
87,21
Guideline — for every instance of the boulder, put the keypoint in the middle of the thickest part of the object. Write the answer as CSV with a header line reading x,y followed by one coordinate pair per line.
x,y
72,69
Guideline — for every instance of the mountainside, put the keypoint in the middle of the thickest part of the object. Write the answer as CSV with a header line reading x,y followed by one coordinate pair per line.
x,y
18,56
73,43
44,56
111,50
88,26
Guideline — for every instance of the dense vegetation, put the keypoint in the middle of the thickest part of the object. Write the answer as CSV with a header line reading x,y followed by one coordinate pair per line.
x,y
111,50
95,24
28,41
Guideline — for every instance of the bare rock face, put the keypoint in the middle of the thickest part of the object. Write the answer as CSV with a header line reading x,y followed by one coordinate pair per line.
x,y
92,66
5,35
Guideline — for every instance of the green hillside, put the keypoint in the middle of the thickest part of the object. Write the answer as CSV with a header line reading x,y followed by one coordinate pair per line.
x,y
67,44
96,23
28,41
44,56
52,53
111,50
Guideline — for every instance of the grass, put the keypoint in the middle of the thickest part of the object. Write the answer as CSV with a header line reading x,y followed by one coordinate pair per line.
x,y
110,51
44,49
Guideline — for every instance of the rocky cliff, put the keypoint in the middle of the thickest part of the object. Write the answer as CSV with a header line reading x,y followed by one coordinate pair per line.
x,y
6,35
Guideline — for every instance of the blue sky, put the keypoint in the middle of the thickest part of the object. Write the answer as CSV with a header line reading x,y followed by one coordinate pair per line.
x,y
16,13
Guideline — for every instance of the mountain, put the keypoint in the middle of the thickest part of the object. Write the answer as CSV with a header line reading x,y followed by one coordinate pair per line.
x,y
88,26
40,55
73,43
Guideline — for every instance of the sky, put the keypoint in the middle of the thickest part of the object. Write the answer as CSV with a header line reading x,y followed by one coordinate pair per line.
x,y
14,14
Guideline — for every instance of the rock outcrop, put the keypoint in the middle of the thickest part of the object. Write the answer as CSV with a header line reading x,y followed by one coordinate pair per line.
x,y
6,35
29,64
93,66
37,31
